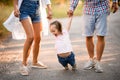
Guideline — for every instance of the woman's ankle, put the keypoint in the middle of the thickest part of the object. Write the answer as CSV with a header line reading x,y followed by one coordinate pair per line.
x,y
24,64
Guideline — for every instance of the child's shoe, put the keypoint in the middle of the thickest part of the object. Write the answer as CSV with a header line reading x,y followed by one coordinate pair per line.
x,y
66,67
74,67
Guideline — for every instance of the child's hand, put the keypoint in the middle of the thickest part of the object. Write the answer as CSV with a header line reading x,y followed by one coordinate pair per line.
x,y
49,16
70,13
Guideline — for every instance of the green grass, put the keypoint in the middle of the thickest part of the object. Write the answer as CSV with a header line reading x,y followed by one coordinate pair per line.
x,y
60,11
4,13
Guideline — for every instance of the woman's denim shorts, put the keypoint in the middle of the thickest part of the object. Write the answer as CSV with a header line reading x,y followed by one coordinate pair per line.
x,y
30,9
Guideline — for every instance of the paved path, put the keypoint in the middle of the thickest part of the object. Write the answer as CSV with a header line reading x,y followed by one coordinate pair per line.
x,y
11,55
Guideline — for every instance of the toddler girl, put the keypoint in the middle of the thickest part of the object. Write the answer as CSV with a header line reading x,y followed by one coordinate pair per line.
x,y
63,44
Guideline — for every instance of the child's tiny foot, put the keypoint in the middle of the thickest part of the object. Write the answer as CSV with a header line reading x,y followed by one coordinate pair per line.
x,y
74,67
66,67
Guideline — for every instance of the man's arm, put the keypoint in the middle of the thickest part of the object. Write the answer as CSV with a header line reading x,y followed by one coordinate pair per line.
x,y
73,5
114,5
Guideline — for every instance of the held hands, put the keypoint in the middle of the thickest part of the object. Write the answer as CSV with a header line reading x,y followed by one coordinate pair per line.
x,y
49,15
49,11
114,7
70,13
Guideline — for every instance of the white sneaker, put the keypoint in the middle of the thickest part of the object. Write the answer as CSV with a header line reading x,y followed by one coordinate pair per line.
x,y
66,67
89,65
98,67
24,70
39,65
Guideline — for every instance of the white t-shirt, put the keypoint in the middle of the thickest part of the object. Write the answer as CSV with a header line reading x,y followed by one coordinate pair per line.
x,y
63,43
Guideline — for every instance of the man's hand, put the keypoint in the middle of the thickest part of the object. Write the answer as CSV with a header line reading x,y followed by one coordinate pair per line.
x,y
70,13
114,7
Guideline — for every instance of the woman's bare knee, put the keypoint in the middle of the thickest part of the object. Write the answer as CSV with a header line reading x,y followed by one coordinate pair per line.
x,y
30,39
37,39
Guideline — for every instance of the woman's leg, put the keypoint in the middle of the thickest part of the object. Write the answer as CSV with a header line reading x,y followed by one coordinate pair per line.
x,y
27,25
37,27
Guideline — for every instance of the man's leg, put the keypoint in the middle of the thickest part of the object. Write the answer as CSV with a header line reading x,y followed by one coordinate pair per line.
x,y
101,30
90,46
100,47
89,27
99,51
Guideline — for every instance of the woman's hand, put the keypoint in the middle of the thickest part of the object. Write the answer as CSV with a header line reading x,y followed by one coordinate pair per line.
x,y
16,12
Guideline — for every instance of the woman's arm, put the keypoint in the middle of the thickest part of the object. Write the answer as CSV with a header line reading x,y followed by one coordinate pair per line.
x,y
49,9
16,9
69,24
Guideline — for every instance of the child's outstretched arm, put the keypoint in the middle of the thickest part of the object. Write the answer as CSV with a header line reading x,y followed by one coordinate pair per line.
x,y
69,24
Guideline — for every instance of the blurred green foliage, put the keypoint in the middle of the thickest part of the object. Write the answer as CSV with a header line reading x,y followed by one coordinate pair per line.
x,y
6,2
59,8
5,11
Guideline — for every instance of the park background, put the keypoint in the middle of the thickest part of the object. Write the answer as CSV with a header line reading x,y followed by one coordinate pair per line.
x,y
59,9
11,50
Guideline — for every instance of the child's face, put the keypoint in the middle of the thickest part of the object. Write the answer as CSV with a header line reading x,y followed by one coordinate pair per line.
x,y
54,30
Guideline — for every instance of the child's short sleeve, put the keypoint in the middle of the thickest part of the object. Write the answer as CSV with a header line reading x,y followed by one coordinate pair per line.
x,y
65,31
